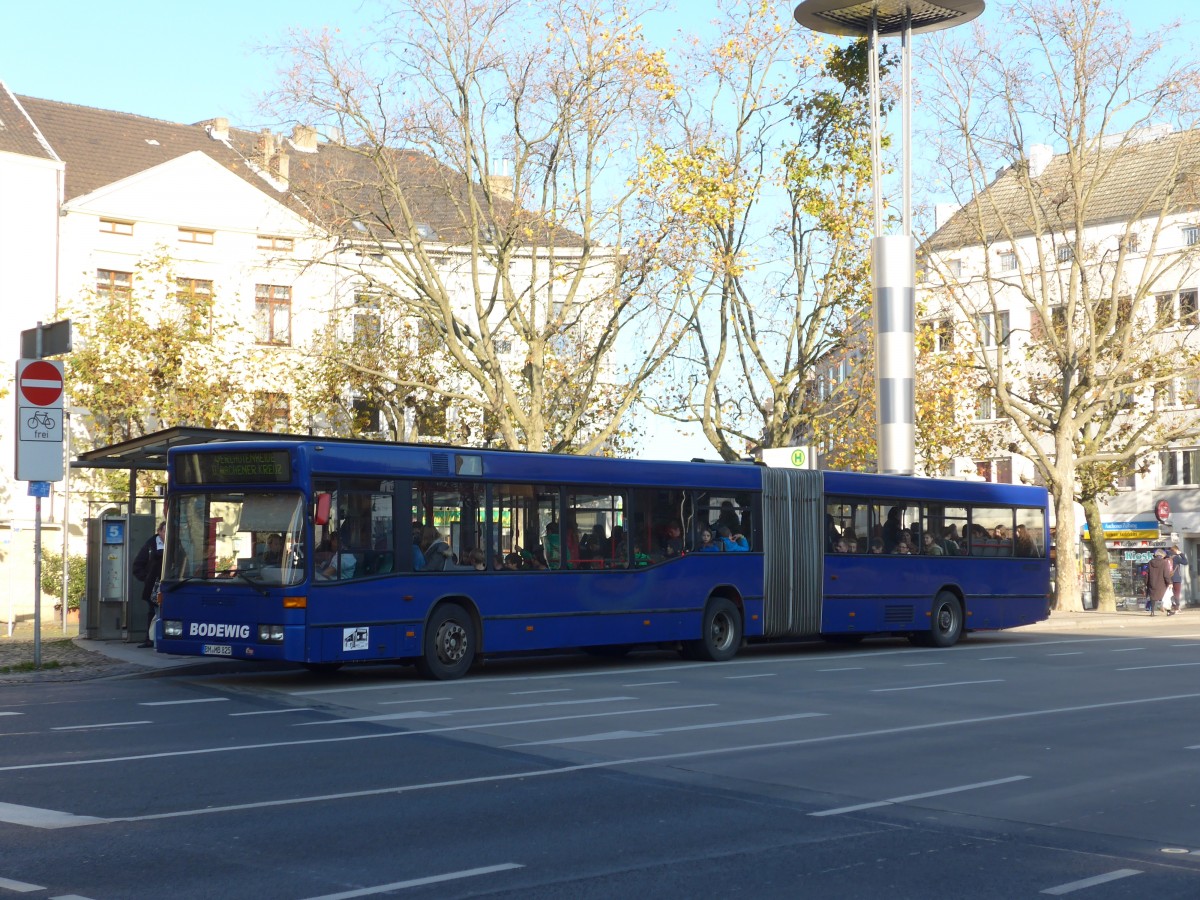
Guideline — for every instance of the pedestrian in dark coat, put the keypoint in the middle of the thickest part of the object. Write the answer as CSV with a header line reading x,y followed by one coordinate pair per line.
x,y
1158,580
147,568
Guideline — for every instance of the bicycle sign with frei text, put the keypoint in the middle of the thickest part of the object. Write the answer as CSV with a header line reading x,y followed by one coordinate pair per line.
x,y
39,411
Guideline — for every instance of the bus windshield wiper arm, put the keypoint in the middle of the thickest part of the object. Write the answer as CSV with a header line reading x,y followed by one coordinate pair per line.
x,y
172,585
258,587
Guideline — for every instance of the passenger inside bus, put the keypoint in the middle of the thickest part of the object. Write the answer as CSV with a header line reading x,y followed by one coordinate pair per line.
x,y
340,564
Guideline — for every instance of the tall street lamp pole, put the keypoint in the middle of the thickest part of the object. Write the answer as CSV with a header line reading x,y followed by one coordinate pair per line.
x,y
893,256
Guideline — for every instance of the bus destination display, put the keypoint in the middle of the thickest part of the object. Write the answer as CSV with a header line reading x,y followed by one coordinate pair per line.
x,y
242,467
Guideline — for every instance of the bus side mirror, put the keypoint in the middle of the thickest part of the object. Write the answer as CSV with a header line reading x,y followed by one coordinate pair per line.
x,y
321,513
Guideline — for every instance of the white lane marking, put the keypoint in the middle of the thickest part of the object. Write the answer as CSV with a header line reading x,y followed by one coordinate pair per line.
x,y
584,767
649,683
661,668
13,714
1193,644
1159,666
543,691
1090,882
921,687
423,714
21,887
623,735
184,702
921,665
759,675
991,658
100,725
34,817
420,882
1126,649
1076,653
418,700
939,793
844,669
70,897
203,751
272,712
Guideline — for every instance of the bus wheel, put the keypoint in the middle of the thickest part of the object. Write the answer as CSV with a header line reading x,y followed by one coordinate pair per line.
x,y
947,625
450,644
720,634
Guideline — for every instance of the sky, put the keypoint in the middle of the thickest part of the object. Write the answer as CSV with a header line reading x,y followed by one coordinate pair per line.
x,y
186,62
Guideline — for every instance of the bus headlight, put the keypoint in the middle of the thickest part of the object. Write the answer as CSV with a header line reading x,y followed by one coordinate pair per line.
x,y
270,634
172,628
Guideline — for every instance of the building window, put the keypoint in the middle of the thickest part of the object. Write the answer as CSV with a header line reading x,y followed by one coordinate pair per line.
x,y
195,295
273,314
276,242
954,268
1187,308
115,226
272,412
114,285
1191,234
984,406
195,235
993,328
1179,467
997,471
366,415
1008,261
1132,242
1064,253
502,345
368,324
1189,391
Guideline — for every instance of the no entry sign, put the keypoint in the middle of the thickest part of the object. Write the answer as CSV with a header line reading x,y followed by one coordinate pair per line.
x,y
39,422
41,383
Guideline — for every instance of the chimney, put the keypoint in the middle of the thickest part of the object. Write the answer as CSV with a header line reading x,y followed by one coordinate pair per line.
x,y
942,213
501,185
218,129
304,139
266,148
280,165
1039,158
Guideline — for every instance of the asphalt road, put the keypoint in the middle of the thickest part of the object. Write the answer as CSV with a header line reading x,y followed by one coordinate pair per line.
x,y
1033,763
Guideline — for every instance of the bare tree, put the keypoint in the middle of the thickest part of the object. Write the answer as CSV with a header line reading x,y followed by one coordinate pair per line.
x,y
478,179
1080,235
767,193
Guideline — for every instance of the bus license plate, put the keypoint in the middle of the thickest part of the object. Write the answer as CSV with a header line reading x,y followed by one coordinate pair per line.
x,y
218,650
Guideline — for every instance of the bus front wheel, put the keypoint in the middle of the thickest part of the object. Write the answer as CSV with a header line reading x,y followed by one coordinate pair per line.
x,y
946,625
449,645
720,634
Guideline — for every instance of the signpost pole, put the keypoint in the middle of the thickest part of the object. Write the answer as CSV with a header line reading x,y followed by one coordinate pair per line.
x,y
37,583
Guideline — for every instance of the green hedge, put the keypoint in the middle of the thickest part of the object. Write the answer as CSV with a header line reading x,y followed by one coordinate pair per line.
x,y
52,572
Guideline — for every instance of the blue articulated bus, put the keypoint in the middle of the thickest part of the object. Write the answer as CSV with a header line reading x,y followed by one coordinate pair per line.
x,y
330,552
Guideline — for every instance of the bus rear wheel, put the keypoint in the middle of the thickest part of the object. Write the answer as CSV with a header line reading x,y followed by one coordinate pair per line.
x,y
720,633
946,625
450,644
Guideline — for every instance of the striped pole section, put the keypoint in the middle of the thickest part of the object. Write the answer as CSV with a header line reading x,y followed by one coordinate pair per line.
x,y
892,274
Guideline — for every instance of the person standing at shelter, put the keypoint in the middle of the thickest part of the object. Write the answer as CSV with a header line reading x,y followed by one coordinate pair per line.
x,y
1158,582
1179,562
147,568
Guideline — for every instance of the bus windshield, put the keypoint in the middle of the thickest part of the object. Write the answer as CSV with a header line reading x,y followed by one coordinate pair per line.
x,y
256,536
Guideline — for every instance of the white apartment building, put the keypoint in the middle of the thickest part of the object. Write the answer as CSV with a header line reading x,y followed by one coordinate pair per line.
x,y
999,271
87,196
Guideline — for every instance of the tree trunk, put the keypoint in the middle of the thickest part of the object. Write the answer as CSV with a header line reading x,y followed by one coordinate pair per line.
x,y
1102,590
1066,565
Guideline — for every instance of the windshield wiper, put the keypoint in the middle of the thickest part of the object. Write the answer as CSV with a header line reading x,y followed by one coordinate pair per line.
x,y
169,586
258,587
